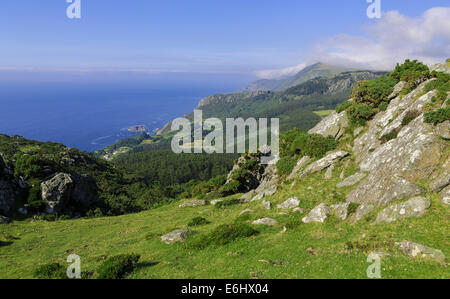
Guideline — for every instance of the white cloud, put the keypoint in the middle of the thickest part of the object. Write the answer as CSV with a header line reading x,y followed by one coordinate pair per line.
x,y
390,40
280,73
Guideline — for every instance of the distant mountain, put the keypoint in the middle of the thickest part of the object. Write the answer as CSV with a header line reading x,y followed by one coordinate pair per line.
x,y
310,72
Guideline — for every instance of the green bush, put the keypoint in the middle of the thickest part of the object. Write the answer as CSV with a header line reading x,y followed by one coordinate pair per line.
x,y
285,165
197,221
118,267
352,208
227,203
437,116
383,106
295,143
410,116
410,71
359,114
51,271
389,136
441,84
223,235
231,188
343,106
374,92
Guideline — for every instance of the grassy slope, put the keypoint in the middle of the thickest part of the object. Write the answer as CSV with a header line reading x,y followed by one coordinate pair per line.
x,y
304,251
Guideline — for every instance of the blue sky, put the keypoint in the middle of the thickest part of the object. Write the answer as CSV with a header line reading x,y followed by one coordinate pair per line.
x,y
208,36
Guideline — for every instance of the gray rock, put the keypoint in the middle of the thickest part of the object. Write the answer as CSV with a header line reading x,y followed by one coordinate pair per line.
x,y
342,175
363,210
4,220
324,162
358,131
214,202
397,89
318,214
265,221
246,211
193,203
300,164
266,205
351,180
443,130
415,207
341,210
418,250
333,125
445,195
7,195
266,192
442,180
179,235
289,204
329,172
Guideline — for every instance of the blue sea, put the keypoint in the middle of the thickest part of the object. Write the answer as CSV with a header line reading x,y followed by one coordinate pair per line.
x,y
91,115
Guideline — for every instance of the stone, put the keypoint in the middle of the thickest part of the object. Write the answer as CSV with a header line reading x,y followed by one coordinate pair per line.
x,y
351,180
7,195
397,89
214,202
342,175
443,130
329,172
193,203
265,221
333,125
363,210
289,204
341,210
267,192
442,180
358,131
4,220
318,214
418,250
179,235
266,205
246,211
324,162
300,164
445,195
415,207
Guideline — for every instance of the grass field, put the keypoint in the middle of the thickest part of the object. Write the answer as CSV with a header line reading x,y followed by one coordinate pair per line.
x,y
336,249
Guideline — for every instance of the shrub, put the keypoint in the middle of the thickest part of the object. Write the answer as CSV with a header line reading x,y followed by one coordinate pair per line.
x,y
383,106
295,143
410,116
231,188
441,84
223,235
118,267
197,221
227,203
285,166
244,217
359,114
343,106
51,271
389,136
352,208
410,71
374,92
437,116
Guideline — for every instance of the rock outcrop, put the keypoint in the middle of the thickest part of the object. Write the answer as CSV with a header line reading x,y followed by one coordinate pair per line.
x,y
324,162
333,125
193,203
318,214
351,180
179,235
341,210
414,207
265,221
418,250
291,203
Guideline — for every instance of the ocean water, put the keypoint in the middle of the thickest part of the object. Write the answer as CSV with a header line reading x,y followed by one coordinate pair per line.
x,y
91,116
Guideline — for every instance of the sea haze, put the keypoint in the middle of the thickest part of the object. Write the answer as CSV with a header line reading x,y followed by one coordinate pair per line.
x,y
91,111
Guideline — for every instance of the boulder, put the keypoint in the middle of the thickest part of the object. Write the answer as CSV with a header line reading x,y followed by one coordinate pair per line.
x,y
7,195
300,164
329,172
362,211
333,125
415,207
266,205
443,130
318,214
265,221
4,220
324,162
445,195
179,235
341,210
271,190
246,211
351,180
397,89
193,203
289,204
418,250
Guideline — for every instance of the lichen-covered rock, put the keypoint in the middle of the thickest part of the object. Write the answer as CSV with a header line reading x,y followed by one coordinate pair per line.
x,y
351,180
444,195
418,250
266,205
415,207
318,214
333,125
65,193
443,179
341,210
324,162
179,235
362,211
329,172
271,190
443,130
289,204
300,164
193,203
265,221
